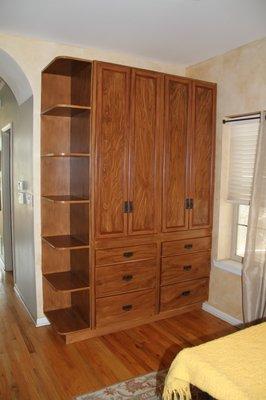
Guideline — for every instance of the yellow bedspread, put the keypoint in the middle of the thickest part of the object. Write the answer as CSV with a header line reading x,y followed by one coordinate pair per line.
x,y
229,368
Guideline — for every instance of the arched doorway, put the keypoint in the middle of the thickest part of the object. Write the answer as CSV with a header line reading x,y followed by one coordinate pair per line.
x,y
16,126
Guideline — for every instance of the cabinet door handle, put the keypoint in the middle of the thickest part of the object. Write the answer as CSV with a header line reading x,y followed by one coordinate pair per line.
x,y
188,246
127,307
128,254
127,278
187,267
185,293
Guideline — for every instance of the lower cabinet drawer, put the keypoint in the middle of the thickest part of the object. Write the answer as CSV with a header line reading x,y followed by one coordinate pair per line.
x,y
182,294
186,246
124,254
125,277
185,267
125,307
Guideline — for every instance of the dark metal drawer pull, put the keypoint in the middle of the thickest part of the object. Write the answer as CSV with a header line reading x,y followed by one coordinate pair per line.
x,y
127,278
188,246
187,267
128,254
186,293
127,307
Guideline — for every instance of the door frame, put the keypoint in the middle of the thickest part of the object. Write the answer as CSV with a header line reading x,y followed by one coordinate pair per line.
x,y
5,129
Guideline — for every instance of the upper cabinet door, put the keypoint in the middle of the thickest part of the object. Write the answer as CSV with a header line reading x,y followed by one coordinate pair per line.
x,y
177,121
144,150
112,131
202,154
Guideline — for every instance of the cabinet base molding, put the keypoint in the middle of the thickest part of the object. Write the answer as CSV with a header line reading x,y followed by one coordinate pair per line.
x,y
90,333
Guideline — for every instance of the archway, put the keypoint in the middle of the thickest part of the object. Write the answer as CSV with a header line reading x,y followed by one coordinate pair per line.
x,y
17,111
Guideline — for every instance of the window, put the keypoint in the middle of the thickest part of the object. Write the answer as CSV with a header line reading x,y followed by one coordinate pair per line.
x,y
240,225
243,134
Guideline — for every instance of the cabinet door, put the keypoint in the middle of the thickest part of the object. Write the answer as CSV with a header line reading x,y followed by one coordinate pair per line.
x,y
111,131
145,136
177,118
202,154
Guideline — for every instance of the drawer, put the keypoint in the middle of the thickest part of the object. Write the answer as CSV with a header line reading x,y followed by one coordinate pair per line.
x,y
125,307
185,267
182,294
186,246
125,277
124,254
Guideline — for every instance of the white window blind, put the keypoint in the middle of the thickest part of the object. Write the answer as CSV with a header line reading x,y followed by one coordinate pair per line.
x,y
243,143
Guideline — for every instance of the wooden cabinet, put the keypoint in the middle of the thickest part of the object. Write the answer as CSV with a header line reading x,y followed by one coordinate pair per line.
x,y
202,155
112,125
127,151
177,130
127,191
144,152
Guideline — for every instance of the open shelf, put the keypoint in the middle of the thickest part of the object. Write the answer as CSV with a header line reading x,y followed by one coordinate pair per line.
x,y
65,242
66,320
65,169
65,110
66,199
67,281
66,155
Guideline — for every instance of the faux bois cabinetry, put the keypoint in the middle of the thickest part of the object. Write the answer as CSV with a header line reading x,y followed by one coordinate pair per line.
x,y
127,190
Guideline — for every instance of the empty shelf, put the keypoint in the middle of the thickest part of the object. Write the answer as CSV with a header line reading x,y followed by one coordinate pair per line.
x,y
66,320
67,281
66,199
66,155
65,110
65,242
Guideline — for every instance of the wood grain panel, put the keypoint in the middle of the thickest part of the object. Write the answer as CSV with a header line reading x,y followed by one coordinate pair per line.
x,y
112,126
177,118
124,254
144,150
202,155
186,246
185,267
121,278
182,294
125,307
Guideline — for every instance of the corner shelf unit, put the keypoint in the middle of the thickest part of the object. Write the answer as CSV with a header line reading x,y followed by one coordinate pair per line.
x,y
65,171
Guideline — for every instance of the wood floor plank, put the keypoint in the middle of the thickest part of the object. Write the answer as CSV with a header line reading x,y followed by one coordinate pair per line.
x,y
35,364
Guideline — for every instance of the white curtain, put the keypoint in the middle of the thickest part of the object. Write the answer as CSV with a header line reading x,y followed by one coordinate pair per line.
x,y
254,266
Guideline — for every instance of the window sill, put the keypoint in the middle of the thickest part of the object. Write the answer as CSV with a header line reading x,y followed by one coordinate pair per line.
x,y
232,266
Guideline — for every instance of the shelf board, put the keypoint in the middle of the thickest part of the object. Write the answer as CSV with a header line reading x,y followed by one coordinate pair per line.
x,y
65,110
67,281
64,65
66,320
65,242
66,199
66,155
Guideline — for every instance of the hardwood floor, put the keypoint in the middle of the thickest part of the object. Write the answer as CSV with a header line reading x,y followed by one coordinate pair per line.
x,y
35,364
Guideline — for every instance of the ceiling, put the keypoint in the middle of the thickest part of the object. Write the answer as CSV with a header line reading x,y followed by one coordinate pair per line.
x,y
176,31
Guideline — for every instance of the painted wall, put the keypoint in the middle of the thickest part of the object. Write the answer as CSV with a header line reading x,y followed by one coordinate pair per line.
x,y
241,78
21,118
32,56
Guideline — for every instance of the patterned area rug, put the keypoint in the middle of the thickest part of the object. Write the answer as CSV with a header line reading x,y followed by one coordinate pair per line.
x,y
145,387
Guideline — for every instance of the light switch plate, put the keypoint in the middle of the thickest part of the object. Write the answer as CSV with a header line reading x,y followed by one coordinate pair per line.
x,y
29,199
21,198
22,185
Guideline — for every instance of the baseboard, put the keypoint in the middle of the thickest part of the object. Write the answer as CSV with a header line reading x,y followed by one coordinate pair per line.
x,y
220,314
42,322
37,322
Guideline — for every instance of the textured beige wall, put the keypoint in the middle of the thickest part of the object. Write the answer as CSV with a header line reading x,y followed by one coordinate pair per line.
x,y
21,118
32,56
241,78
225,292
